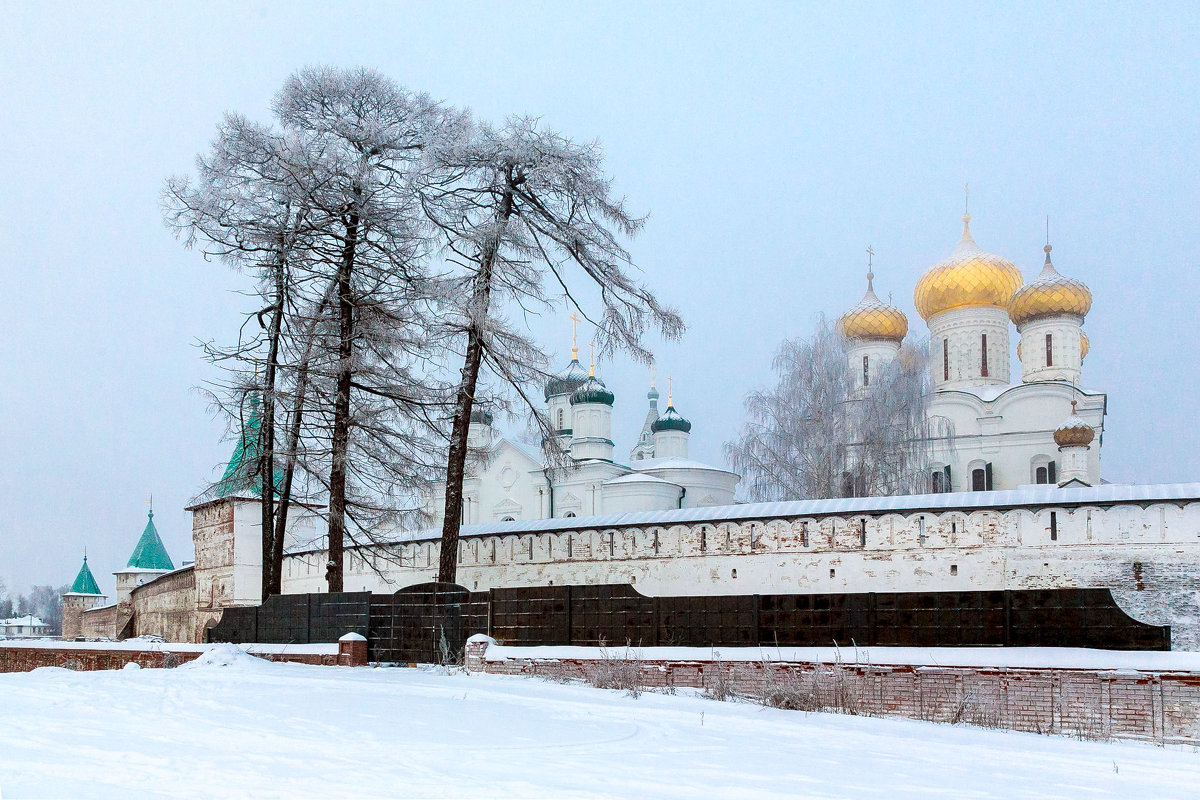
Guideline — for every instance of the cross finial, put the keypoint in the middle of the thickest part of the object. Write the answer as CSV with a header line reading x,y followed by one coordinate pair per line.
x,y
670,392
870,266
574,336
966,198
592,365
150,503
653,374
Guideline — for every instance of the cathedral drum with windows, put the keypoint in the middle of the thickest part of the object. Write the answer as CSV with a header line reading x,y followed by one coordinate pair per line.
x,y
1002,434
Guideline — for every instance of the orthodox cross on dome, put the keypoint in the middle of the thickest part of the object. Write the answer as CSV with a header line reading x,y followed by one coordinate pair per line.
x,y
592,359
574,335
870,267
670,391
966,198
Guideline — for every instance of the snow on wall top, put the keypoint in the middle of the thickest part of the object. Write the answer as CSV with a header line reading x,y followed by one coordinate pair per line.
x,y
1027,496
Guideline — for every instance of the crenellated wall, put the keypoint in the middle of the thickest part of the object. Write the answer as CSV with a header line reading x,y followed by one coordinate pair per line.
x,y
1149,554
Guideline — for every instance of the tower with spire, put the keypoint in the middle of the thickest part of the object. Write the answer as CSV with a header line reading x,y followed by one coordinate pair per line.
x,y
1048,312
148,561
873,331
671,430
643,448
85,594
591,418
559,389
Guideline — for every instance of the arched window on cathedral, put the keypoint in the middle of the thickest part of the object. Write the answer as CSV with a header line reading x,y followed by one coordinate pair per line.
x,y
981,478
866,371
983,370
569,514
1049,350
560,419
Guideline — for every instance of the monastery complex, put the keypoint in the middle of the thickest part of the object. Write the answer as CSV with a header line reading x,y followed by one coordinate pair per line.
x,y
1015,497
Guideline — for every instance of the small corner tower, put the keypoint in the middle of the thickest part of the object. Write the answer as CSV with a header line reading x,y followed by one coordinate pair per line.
x,y
873,331
671,431
1048,313
84,594
591,419
1074,438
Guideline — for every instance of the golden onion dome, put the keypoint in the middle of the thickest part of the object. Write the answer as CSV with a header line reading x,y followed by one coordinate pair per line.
x,y
1085,345
1074,431
969,278
1049,295
873,319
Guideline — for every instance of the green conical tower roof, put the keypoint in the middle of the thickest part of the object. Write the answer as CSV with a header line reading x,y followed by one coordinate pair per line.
x,y
150,553
85,582
241,473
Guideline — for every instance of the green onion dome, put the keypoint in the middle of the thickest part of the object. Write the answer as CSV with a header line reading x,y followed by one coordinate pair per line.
x,y
592,390
566,381
479,415
671,421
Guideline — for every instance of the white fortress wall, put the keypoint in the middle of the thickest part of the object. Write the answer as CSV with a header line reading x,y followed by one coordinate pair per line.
x,y
1148,552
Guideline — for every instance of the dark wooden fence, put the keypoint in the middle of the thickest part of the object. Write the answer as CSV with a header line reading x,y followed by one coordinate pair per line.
x,y
430,622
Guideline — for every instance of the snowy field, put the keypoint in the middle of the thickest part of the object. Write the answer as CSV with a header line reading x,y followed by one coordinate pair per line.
x,y
230,725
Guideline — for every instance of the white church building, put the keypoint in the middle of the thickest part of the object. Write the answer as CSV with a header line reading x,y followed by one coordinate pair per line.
x,y
512,482
1041,429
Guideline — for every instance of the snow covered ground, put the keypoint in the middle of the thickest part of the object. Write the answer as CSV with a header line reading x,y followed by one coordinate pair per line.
x,y
229,725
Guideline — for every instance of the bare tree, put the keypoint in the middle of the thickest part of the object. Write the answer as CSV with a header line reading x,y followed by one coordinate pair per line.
x,y
365,150
325,208
817,435
528,219
247,210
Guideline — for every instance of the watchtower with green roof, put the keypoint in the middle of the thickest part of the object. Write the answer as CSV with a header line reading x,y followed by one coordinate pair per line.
x,y
148,560
85,593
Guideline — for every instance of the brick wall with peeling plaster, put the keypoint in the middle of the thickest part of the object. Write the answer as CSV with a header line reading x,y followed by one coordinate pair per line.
x,y
1160,707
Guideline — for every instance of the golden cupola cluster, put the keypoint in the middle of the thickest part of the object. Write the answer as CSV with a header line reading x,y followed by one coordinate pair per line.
x,y
968,278
1050,294
1074,431
873,319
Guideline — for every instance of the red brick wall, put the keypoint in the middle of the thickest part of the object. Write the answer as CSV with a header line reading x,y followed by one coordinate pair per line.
x,y
1092,704
24,659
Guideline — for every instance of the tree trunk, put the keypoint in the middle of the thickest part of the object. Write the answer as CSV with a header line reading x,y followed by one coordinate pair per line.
x,y
272,576
293,440
456,460
341,408
289,470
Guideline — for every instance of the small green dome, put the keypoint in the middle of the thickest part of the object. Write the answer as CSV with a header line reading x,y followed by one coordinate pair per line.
x,y
480,415
592,390
671,421
566,381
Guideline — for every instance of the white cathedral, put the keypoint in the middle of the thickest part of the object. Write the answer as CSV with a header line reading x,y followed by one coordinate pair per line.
x,y
1043,429
512,482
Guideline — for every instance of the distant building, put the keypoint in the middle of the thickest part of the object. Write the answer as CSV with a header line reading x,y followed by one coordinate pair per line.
x,y
26,627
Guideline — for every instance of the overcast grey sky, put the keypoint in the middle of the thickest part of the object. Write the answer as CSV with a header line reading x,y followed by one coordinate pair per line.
x,y
771,143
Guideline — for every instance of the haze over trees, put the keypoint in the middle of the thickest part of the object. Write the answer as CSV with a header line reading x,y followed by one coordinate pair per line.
x,y
816,435
395,244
